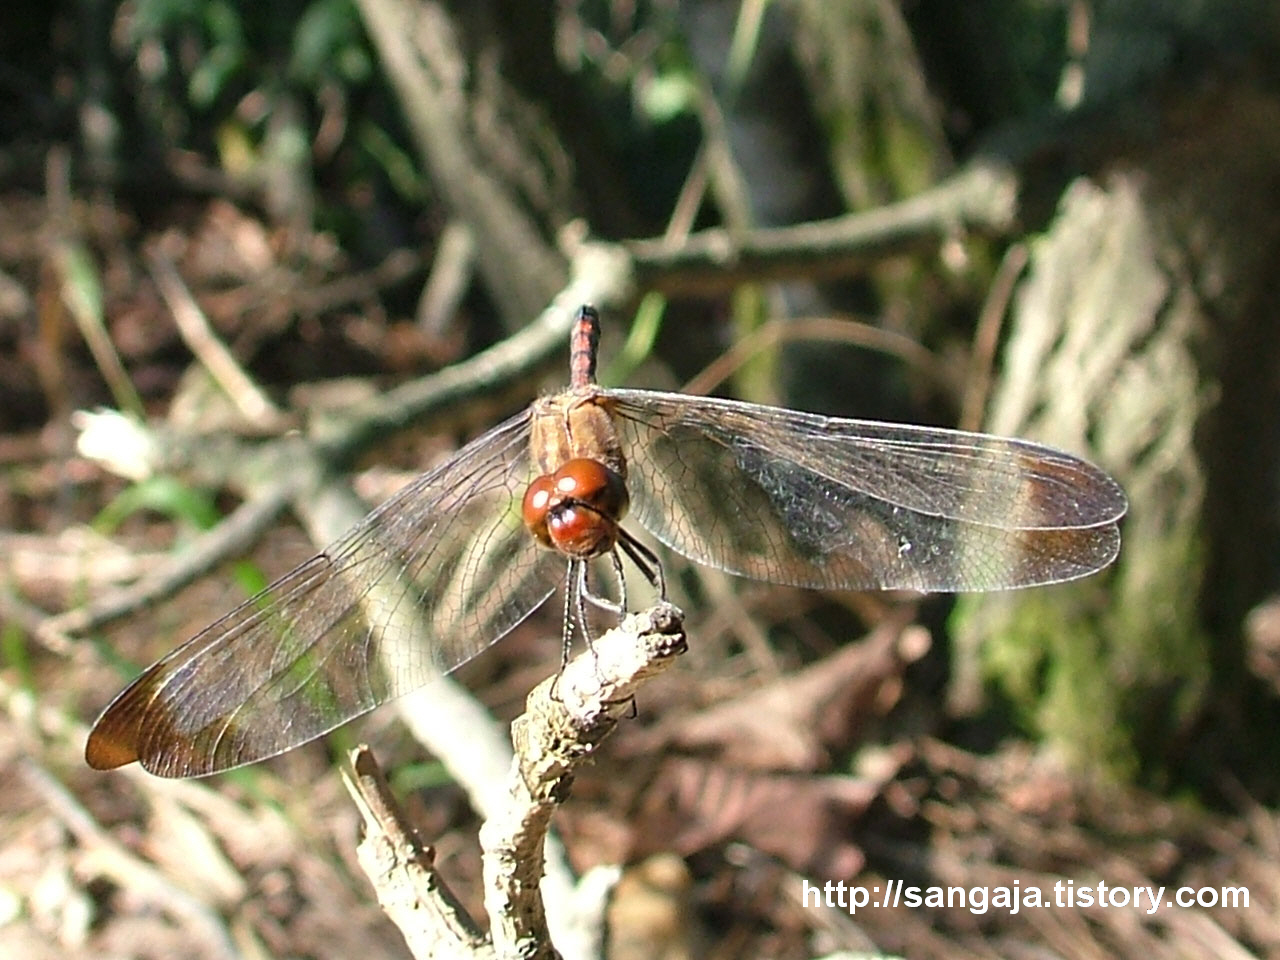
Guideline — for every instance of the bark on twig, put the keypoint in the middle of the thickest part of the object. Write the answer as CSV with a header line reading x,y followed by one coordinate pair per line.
x,y
566,718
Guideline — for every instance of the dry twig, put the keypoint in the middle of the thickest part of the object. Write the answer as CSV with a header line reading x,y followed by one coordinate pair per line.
x,y
198,334
402,870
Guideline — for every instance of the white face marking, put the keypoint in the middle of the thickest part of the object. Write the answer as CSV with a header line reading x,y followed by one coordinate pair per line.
x,y
540,498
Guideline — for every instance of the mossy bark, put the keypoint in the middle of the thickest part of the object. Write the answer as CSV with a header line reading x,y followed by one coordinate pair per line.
x,y
1099,362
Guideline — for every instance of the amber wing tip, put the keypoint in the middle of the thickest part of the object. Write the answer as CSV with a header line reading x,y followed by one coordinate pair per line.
x,y
105,751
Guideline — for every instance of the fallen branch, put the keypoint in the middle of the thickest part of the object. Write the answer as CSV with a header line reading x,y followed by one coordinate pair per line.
x,y
983,197
252,402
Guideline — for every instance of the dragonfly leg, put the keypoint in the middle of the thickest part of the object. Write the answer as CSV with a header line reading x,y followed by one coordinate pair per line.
x,y
622,581
566,631
566,628
646,560
604,603
583,595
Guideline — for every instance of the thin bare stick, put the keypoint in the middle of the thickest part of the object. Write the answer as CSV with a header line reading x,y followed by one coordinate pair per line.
x,y
830,329
982,356
254,405
80,283
451,274
82,295
689,201
726,180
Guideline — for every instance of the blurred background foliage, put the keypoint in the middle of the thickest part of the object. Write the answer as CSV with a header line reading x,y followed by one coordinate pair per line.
x,y
341,241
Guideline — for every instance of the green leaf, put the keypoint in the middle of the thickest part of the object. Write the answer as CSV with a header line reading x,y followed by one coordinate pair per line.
x,y
165,495
15,655
640,341
327,41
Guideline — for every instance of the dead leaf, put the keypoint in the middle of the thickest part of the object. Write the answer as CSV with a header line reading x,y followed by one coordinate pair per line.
x,y
804,821
797,722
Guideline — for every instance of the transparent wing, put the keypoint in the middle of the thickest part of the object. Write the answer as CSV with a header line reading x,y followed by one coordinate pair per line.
x,y
816,501
425,582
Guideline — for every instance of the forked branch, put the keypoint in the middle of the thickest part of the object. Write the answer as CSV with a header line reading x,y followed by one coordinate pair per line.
x,y
565,720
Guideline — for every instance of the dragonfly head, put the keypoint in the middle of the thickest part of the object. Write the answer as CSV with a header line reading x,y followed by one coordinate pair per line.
x,y
576,509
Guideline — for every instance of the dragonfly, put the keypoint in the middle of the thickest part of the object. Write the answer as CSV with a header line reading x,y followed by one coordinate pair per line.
x,y
465,552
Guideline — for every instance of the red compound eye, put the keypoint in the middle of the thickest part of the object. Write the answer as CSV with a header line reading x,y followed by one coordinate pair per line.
x,y
537,501
580,531
587,501
591,482
577,508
